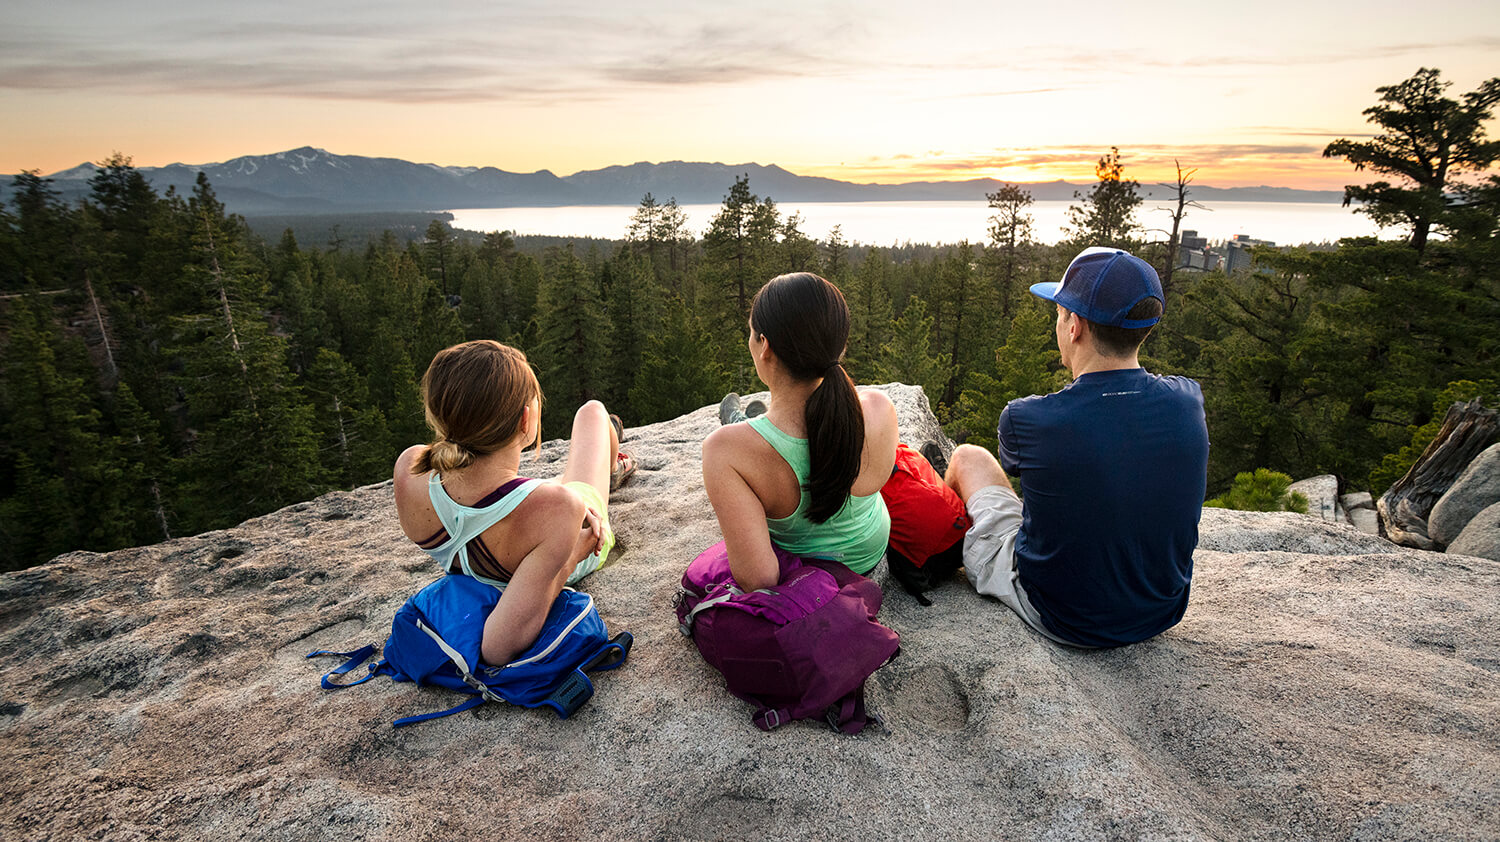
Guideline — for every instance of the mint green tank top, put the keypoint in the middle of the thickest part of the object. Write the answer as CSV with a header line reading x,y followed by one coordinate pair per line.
x,y
856,536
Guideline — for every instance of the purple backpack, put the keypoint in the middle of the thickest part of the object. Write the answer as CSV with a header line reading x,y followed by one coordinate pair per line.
x,y
800,650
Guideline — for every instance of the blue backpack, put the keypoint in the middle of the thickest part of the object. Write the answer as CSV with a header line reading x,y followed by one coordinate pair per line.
x,y
435,641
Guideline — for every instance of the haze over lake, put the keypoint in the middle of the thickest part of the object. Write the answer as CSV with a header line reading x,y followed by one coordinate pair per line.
x,y
887,223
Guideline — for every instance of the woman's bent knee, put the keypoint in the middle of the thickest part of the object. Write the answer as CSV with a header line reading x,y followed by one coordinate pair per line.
x,y
593,407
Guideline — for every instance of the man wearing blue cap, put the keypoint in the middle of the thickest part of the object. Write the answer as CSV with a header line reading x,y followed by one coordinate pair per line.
x,y
1112,471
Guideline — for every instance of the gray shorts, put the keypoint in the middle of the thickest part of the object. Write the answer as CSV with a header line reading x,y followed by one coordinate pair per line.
x,y
990,553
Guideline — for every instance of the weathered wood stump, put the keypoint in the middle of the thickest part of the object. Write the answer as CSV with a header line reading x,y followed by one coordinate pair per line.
x,y
1467,429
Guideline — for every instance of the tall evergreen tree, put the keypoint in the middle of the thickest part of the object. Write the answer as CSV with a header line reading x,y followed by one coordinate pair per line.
x,y
572,337
438,248
1426,140
633,308
1107,215
255,447
353,437
679,370
1011,244
869,315
908,357
960,304
798,253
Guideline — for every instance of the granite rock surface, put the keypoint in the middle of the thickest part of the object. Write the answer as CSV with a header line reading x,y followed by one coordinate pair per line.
x,y
1325,684
1481,536
1322,493
1477,488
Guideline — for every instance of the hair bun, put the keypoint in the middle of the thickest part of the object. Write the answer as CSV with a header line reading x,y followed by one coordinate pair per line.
x,y
445,455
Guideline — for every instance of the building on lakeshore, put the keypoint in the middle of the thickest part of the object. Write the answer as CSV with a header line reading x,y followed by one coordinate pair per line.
x,y
1237,252
1193,252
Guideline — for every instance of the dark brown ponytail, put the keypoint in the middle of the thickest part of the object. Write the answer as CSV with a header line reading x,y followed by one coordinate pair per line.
x,y
806,321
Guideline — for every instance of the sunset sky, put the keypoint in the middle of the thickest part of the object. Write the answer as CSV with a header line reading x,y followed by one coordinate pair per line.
x,y
858,91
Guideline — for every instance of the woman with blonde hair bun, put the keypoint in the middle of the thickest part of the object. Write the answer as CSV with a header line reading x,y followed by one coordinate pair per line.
x,y
463,501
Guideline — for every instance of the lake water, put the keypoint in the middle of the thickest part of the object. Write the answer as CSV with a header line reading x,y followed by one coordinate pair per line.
x,y
888,223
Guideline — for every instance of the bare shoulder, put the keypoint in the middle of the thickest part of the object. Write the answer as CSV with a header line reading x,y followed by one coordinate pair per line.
x,y
723,444
551,502
402,472
409,486
881,435
880,413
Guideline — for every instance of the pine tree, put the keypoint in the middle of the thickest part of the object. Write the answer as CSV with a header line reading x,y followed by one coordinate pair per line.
x,y
527,284
1107,215
484,291
255,448
1027,364
438,248
353,437
572,338
961,304
140,450
739,238
738,251
797,253
52,454
1011,245
1429,142
42,223
908,357
679,370
836,256
645,233
632,308
869,316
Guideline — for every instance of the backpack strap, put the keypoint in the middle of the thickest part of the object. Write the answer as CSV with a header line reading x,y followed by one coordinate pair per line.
x,y
769,719
849,714
730,591
466,704
461,664
574,691
355,658
611,654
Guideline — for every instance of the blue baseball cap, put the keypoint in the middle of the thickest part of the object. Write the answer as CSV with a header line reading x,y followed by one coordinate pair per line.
x,y
1102,284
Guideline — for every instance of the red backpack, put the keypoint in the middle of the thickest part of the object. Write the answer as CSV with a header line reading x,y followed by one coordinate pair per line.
x,y
800,650
928,523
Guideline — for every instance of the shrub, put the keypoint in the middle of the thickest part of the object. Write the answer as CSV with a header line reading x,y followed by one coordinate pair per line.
x,y
1262,491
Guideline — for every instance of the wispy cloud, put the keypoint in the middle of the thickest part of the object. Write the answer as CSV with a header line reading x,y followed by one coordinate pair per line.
x,y
1147,163
407,54
1329,57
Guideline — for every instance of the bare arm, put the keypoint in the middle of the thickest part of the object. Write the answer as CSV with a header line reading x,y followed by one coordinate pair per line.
x,y
518,618
410,492
881,434
742,516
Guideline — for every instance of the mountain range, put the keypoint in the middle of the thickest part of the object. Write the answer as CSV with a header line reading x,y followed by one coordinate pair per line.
x,y
310,180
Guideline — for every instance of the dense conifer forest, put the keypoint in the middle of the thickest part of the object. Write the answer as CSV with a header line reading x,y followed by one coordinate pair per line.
x,y
166,371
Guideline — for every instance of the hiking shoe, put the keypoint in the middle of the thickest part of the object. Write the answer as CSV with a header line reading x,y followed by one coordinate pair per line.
x,y
755,408
933,453
624,469
729,409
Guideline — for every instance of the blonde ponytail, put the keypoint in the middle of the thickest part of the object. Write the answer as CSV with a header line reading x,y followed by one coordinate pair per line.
x,y
477,393
443,456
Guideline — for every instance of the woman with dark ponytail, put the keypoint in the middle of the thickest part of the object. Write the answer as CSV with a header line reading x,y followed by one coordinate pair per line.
x,y
462,500
806,475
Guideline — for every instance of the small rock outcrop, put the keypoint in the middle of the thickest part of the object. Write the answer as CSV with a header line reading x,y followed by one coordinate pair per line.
x,y
1481,536
1324,684
1322,493
1477,488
